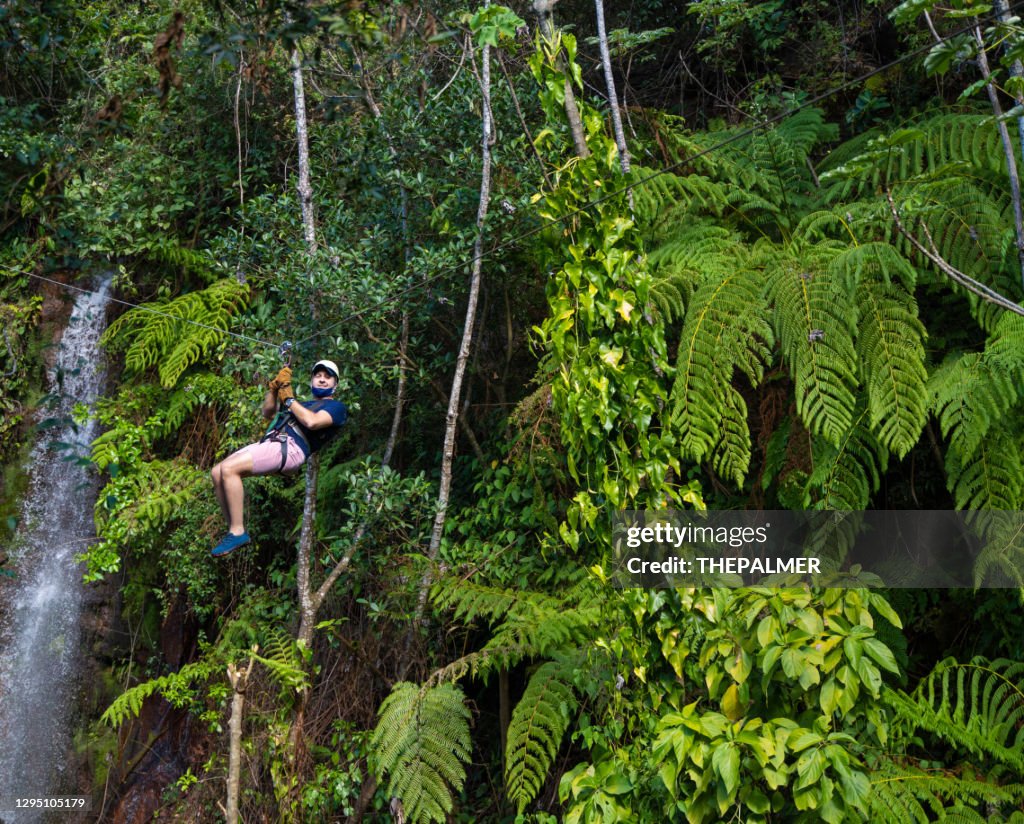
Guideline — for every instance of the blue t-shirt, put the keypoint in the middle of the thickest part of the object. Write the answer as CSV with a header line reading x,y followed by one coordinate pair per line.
x,y
311,440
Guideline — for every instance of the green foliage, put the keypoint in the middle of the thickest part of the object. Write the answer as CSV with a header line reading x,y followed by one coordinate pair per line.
x,y
902,794
175,333
725,332
421,743
283,659
847,474
18,320
977,706
766,179
175,687
816,324
525,624
605,356
535,733
972,395
136,505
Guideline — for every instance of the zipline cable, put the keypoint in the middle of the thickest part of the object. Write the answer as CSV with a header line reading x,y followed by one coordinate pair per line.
x,y
285,347
144,308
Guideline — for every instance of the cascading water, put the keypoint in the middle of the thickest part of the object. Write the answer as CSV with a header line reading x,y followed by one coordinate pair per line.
x,y
39,644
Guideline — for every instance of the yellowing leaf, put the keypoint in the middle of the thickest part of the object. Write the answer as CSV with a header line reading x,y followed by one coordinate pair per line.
x,y
612,357
731,705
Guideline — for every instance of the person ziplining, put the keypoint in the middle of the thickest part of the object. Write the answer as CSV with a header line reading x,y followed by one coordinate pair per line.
x,y
299,429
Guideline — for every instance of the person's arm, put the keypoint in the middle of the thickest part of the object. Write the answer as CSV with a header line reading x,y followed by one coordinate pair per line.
x,y
307,417
269,408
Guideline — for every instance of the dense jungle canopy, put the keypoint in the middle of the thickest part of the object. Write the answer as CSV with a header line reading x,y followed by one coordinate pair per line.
x,y
571,259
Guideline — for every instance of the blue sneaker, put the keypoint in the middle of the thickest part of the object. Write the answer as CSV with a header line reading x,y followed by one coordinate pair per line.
x,y
229,543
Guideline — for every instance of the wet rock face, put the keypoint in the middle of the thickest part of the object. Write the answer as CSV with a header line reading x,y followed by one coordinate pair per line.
x,y
157,771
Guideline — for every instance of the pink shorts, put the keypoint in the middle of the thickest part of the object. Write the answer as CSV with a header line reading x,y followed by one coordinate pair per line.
x,y
266,457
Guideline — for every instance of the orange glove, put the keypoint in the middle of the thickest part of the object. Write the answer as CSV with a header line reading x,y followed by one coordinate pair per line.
x,y
283,378
284,392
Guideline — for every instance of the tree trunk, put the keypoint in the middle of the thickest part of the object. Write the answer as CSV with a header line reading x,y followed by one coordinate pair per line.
x,y
544,9
613,100
307,611
454,397
1011,157
239,679
302,133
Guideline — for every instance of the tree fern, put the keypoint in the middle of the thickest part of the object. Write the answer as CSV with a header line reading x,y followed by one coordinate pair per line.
x,y
890,346
731,458
200,390
129,703
694,252
924,145
538,724
280,654
990,476
1001,559
725,330
178,332
173,255
969,394
663,195
814,320
420,747
910,795
771,181
846,474
978,706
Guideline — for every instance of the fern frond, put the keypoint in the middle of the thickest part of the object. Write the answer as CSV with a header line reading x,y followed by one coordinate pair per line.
x,y
471,601
532,624
732,454
725,331
990,476
890,345
1002,556
968,394
881,161
978,706
281,656
175,256
129,703
422,744
200,390
909,795
665,195
814,319
846,475
185,329
872,261
535,733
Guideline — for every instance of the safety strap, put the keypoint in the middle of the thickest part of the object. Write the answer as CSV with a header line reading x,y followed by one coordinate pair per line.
x,y
277,434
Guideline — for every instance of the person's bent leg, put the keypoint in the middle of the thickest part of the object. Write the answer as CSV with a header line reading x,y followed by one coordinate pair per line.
x,y
233,468
218,491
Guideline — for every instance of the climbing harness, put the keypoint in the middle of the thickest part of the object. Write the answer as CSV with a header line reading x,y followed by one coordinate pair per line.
x,y
285,420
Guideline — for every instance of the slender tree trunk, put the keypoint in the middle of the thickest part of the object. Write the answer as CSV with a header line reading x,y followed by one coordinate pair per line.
x,y
1011,157
609,79
1002,9
545,12
307,610
239,680
302,133
454,397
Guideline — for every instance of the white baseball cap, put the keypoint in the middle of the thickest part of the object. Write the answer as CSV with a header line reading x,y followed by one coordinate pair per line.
x,y
329,365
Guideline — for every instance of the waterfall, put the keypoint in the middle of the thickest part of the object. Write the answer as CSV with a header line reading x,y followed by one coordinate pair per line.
x,y
39,644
